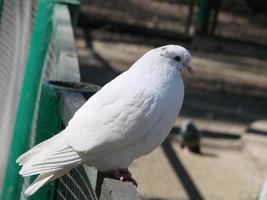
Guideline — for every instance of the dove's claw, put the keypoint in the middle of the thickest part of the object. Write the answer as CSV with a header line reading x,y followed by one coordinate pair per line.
x,y
122,175
127,176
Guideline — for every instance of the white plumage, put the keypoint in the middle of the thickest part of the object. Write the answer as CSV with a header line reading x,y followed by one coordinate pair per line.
x,y
129,117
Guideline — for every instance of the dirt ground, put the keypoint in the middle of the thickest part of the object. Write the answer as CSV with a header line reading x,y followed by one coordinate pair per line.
x,y
227,93
235,20
228,169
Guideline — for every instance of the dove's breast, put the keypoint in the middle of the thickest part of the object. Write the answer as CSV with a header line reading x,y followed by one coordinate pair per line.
x,y
171,100
172,103
116,125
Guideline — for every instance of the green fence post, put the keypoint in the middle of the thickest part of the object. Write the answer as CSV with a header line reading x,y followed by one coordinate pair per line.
x,y
1,7
28,98
49,123
202,23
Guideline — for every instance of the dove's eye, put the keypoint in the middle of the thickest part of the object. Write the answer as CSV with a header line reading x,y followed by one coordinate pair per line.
x,y
177,58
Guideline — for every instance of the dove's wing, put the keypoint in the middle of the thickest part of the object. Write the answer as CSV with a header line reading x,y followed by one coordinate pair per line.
x,y
120,114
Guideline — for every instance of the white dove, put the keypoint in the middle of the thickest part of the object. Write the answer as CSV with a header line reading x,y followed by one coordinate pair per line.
x,y
129,117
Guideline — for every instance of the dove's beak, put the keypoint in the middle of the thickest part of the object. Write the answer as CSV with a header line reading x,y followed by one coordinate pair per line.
x,y
189,69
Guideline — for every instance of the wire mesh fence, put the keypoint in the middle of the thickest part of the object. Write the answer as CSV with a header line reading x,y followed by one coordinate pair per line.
x,y
75,186
15,34
17,22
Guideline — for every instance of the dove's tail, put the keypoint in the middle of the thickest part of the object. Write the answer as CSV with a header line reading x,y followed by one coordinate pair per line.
x,y
51,159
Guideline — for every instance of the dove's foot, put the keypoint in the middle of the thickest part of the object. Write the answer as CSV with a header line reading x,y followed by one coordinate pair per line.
x,y
122,175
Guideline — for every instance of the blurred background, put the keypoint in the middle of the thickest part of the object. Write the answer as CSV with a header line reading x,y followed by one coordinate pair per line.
x,y
225,98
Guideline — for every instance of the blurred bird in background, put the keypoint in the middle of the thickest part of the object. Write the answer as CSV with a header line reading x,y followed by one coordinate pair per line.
x,y
190,136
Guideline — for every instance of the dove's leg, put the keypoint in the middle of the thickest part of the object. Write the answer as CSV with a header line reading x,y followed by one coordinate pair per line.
x,y
127,176
115,174
122,175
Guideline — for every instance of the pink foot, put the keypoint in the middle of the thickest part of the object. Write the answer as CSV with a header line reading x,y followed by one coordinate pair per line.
x,y
122,175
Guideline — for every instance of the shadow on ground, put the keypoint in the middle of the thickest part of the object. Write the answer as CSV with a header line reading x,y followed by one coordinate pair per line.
x,y
181,172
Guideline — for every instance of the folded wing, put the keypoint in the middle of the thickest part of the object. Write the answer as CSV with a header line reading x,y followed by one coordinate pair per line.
x,y
114,118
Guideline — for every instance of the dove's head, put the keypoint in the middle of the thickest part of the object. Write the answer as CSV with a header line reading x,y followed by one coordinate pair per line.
x,y
173,57
177,55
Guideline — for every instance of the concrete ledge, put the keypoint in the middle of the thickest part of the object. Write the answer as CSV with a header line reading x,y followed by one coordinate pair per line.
x,y
117,190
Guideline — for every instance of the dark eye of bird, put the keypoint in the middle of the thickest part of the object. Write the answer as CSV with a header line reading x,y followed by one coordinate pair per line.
x,y
177,58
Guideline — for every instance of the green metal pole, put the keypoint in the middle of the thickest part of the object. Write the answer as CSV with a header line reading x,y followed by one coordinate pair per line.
x,y
28,99
1,8
202,23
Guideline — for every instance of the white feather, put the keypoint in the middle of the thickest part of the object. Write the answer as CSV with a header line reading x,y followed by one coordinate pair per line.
x,y
38,182
35,150
57,155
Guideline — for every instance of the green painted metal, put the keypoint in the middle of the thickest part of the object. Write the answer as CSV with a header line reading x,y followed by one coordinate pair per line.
x,y
49,110
74,13
1,8
28,98
91,174
202,22
48,124
77,2
207,16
